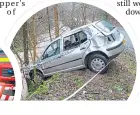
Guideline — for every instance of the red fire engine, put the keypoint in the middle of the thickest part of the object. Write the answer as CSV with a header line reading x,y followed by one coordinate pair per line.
x,y
7,81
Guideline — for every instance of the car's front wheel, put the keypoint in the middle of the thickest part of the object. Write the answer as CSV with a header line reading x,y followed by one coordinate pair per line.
x,y
98,63
37,77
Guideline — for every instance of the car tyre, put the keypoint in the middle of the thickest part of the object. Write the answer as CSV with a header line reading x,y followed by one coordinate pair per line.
x,y
39,77
98,63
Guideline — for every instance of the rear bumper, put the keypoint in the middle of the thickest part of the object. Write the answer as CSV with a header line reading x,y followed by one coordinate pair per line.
x,y
115,47
114,56
115,51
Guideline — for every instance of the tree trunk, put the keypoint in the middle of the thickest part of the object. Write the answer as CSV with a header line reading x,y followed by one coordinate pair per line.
x,y
16,53
73,24
49,26
56,23
34,39
84,7
106,16
25,44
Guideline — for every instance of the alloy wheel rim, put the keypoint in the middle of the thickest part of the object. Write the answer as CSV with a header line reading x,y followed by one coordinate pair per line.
x,y
98,64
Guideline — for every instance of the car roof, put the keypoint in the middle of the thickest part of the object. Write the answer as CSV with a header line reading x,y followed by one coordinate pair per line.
x,y
74,31
78,29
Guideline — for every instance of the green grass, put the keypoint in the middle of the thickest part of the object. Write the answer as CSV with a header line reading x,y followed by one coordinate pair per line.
x,y
131,64
78,81
36,89
118,88
61,98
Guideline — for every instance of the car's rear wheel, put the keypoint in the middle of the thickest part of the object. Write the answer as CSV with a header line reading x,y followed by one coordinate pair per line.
x,y
98,63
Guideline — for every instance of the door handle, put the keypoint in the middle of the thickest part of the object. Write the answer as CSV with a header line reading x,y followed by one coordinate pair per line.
x,y
59,56
82,48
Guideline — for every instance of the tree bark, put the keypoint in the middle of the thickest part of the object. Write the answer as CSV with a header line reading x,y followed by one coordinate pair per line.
x,y
25,44
49,26
106,16
84,7
34,39
56,23
16,53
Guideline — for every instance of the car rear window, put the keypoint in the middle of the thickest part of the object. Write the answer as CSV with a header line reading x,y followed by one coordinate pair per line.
x,y
105,26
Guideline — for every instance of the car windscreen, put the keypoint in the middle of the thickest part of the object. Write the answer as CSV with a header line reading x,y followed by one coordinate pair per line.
x,y
105,26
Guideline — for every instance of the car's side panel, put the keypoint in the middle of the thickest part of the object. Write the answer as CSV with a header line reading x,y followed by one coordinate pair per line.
x,y
67,59
71,58
47,64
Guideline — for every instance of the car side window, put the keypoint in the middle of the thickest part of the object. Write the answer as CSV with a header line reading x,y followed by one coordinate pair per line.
x,y
74,40
52,50
82,37
71,41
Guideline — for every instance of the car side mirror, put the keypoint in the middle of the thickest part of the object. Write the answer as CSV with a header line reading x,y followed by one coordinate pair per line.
x,y
44,56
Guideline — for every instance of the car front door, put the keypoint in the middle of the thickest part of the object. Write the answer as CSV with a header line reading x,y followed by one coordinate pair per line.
x,y
51,57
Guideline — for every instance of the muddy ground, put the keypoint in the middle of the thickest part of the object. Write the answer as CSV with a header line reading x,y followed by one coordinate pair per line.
x,y
116,84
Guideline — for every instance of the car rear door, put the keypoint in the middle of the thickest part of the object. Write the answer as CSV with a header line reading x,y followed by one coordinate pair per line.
x,y
72,54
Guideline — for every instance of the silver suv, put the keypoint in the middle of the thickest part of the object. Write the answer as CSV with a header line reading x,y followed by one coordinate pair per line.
x,y
90,46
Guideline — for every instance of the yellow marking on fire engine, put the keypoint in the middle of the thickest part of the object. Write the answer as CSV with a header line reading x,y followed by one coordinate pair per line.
x,y
4,60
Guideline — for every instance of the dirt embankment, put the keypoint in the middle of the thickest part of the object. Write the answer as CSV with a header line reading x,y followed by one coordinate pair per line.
x,y
116,84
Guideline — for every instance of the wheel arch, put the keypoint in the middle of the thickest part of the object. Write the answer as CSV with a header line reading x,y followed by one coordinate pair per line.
x,y
37,70
93,53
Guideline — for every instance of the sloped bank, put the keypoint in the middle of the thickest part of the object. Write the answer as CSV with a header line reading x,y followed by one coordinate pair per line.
x,y
116,84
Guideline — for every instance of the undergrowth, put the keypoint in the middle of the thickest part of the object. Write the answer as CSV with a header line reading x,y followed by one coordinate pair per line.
x,y
40,89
